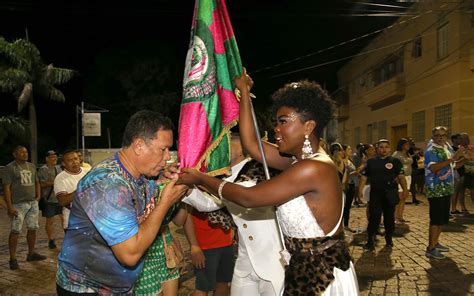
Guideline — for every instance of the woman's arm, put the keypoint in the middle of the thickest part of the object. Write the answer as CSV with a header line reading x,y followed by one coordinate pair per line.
x,y
248,136
299,179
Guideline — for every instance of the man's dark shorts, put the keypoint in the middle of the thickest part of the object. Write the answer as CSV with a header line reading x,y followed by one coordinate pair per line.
x,y
460,185
469,181
439,210
51,209
219,268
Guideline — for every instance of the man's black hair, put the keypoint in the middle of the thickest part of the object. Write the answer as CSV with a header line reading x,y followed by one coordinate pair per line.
x,y
144,124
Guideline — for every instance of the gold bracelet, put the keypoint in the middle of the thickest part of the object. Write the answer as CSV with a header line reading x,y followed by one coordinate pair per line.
x,y
221,186
238,95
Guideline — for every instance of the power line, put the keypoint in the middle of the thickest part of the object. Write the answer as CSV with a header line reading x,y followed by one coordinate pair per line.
x,y
350,41
347,57
380,5
328,48
422,34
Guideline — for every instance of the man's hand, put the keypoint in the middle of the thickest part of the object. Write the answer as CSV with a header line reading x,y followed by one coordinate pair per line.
x,y
169,172
459,154
172,193
197,257
12,212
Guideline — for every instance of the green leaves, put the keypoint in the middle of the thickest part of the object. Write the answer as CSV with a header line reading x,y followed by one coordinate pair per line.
x,y
12,80
22,73
58,76
20,54
13,126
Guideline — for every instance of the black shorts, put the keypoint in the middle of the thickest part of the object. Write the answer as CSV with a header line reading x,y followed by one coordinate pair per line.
x,y
51,209
219,268
439,210
469,181
459,185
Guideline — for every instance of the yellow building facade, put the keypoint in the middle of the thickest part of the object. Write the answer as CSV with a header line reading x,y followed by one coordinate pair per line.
x,y
416,74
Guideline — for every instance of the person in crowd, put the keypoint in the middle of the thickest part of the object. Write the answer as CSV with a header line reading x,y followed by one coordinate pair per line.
x,y
420,180
22,192
367,152
65,183
468,165
459,180
84,165
439,160
323,145
382,172
114,218
350,186
46,174
357,161
402,154
212,254
415,156
308,191
258,269
337,155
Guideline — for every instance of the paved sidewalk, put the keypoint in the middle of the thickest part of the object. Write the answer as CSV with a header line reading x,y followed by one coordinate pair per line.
x,y
404,270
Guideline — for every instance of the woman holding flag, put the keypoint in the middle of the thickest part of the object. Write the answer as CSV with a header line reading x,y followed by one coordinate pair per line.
x,y
308,192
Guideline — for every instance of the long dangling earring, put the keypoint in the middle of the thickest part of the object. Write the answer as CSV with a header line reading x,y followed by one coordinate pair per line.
x,y
307,149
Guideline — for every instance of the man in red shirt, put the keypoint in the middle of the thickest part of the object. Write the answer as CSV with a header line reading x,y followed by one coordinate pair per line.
x,y
212,254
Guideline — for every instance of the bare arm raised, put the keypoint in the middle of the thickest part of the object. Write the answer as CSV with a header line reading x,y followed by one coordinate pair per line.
x,y
248,136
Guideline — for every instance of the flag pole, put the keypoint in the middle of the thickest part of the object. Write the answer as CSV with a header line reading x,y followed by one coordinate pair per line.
x,y
260,145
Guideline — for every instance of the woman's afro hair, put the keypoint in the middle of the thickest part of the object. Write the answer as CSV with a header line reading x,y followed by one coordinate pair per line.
x,y
309,100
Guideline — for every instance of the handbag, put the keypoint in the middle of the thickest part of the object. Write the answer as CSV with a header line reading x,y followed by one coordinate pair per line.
x,y
173,253
43,200
42,204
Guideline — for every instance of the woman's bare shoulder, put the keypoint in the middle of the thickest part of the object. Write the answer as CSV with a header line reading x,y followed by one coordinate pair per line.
x,y
317,167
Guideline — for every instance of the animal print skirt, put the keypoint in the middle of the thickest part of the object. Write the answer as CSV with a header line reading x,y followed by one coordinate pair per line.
x,y
221,218
312,263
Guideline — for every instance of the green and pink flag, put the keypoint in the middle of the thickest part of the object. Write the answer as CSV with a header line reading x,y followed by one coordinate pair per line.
x,y
209,108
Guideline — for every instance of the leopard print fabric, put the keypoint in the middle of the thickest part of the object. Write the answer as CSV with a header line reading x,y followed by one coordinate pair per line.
x,y
311,271
221,218
252,170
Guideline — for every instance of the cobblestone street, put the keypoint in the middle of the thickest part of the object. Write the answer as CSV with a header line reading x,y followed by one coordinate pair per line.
x,y
403,270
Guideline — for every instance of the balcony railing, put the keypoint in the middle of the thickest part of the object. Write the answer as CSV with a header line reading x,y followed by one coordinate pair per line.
x,y
387,93
343,112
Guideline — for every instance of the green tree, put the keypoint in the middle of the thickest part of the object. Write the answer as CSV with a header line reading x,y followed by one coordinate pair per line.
x,y
24,75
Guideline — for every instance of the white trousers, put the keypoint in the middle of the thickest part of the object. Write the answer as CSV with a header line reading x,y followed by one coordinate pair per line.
x,y
248,283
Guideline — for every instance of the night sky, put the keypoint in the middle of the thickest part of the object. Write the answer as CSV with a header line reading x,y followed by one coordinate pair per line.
x,y
102,39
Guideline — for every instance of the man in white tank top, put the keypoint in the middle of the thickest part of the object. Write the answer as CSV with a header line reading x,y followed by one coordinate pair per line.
x,y
66,181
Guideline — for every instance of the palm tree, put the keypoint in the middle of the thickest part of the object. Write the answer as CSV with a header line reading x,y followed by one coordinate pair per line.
x,y
12,126
24,75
